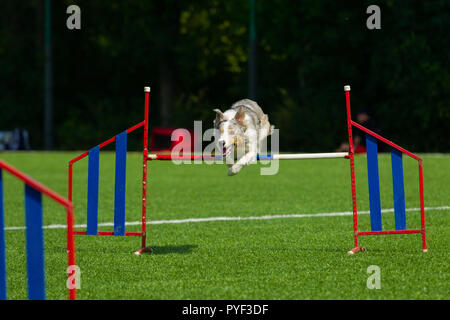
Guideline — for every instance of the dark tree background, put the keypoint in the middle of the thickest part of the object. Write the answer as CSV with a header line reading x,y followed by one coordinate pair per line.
x,y
194,55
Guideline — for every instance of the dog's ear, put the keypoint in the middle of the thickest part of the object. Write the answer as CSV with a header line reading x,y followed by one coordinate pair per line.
x,y
219,116
240,117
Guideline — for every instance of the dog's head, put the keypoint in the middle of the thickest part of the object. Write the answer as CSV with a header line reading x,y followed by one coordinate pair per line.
x,y
231,130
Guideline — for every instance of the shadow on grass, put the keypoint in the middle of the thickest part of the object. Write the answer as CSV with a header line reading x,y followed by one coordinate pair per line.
x,y
182,249
386,251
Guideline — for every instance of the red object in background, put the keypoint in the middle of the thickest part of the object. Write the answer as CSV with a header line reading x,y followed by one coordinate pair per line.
x,y
360,149
160,139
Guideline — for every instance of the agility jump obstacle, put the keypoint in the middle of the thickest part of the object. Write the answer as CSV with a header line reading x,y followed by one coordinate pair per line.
x,y
34,235
120,177
372,139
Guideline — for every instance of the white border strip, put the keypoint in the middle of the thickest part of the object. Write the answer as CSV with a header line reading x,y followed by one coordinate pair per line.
x,y
265,217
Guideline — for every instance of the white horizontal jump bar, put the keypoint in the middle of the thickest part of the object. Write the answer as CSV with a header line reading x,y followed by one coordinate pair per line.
x,y
269,157
295,156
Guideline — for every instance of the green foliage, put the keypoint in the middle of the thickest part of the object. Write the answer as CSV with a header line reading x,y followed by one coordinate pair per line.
x,y
307,51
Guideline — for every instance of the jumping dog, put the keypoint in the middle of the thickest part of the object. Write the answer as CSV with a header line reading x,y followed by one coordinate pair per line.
x,y
243,127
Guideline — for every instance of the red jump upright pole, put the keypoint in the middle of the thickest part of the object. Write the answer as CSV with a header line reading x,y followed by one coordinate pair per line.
x,y
352,171
71,249
144,177
422,208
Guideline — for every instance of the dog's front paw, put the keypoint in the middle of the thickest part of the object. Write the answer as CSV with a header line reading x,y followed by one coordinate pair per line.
x,y
234,170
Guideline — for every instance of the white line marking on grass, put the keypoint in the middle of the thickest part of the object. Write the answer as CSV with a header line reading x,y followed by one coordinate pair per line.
x,y
265,217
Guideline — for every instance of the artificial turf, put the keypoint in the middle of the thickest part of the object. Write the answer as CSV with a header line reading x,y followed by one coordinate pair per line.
x,y
282,258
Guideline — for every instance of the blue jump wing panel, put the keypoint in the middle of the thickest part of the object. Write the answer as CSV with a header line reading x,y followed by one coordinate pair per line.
x,y
92,200
374,183
120,184
35,244
399,189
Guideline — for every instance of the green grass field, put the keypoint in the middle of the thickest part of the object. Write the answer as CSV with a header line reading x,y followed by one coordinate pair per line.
x,y
282,258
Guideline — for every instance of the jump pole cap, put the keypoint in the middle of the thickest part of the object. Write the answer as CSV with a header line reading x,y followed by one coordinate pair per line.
x,y
146,89
346,88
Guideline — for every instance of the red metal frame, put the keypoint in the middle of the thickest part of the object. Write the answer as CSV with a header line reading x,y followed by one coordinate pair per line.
x,y
352,171
390,143
350,124
109,233
368,233
107,142
422,208
59,199
144,178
